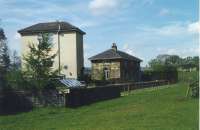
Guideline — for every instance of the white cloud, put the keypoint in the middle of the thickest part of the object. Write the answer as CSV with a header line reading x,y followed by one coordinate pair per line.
x,y
16,36
194,27
171,51
86,47
86,24
99,7
183,52
173,29
86,61
164,12
87,54
128,49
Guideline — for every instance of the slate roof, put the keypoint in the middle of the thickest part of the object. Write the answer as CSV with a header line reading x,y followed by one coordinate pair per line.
x,y
50,27
114,54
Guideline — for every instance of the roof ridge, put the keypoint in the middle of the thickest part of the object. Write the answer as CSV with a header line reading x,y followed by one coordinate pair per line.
x,y
129,55
112,54
99,53
50,27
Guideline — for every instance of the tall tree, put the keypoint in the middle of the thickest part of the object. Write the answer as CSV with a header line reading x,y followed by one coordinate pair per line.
x,y
4,59
39,62
15,61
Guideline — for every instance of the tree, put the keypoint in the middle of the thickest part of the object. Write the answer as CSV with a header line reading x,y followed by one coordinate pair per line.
x,y
15,61
173,60
154,63
196,61
4,59
189,63
39,62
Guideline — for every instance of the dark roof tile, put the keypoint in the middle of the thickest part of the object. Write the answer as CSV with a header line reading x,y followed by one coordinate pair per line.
x,y
113,54
50,27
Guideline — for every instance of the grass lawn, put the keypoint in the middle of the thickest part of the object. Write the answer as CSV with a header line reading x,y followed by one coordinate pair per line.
x,y
165,108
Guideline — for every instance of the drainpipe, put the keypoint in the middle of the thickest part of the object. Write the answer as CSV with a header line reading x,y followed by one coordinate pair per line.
x,y
59,69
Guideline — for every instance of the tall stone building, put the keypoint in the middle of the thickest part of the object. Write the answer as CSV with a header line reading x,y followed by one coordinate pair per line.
x,y
67,43
114,64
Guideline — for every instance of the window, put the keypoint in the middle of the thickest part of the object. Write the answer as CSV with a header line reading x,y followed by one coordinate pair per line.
x,y
106,73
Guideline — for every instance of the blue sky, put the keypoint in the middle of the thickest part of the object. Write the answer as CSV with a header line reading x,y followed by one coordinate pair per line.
x,y
143,28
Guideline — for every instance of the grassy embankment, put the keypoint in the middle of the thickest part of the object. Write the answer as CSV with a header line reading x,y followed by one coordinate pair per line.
x,y
164,108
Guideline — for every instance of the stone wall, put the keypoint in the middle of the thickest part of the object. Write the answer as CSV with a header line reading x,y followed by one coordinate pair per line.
x,y
98,70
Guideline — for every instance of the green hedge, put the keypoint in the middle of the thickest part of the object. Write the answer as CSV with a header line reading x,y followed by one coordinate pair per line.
x,y
169,73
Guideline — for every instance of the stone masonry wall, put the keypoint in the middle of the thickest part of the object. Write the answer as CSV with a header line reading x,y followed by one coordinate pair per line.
x,y
112,67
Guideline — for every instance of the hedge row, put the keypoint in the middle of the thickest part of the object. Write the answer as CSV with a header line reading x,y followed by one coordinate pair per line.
x,y
151,75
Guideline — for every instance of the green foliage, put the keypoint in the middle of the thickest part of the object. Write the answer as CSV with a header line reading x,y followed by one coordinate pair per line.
x,y
186,76
195,89
4,60
164,68
39,63
17,81
161,72
174,60
145,109
15,61
190,62
102,76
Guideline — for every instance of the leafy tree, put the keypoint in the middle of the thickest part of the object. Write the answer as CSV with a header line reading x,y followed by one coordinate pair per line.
x,y
176,61
173,60
190,62
4,59
15,76
39,62
15,61
196,61
154,63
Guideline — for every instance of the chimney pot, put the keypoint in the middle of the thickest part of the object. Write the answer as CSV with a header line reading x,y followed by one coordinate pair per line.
x,y
114,46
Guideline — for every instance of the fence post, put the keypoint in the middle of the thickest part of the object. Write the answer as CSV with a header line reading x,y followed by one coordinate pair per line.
x,y
128,89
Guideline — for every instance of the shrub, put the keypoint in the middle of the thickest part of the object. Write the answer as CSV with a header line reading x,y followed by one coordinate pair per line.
x,y
161,72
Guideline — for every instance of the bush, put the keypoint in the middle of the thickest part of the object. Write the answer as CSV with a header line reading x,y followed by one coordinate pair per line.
x,y
161,72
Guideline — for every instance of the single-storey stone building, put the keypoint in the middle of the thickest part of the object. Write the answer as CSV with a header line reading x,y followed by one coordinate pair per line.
x,y
115,65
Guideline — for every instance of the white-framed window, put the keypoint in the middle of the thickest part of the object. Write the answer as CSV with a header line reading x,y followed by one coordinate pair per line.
x,y
106,74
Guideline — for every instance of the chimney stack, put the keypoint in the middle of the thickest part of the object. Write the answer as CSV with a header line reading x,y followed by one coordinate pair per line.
x,y
114,46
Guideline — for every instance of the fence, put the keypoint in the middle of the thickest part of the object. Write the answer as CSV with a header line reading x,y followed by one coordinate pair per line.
x,y
138,85
19,101
84,96
75,98
13,102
